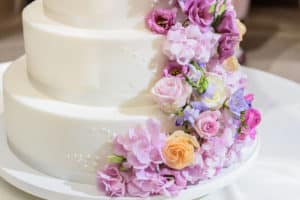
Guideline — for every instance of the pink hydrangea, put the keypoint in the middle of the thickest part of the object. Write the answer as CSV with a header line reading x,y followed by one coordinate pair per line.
x,y
184,44
141,146
111,181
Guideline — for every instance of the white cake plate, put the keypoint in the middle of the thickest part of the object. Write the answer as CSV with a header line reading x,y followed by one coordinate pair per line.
x,y
22,176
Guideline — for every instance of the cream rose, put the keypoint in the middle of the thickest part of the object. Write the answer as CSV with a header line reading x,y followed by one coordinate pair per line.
x,y
219,94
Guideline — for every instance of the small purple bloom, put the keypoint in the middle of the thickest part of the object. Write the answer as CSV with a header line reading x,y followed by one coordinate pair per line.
x,y
199,105
237,102
189,115
160,20
111,181
175,69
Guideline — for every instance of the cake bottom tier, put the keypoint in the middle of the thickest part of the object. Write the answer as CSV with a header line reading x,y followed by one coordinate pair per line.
x,y
64,140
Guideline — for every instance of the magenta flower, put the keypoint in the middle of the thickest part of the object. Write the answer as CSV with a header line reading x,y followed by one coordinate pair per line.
x,y
175,69
252,118
160,20
198,12
111,181
141,146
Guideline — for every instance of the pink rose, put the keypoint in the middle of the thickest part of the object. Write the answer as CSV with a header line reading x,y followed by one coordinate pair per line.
x,y
171,93
252,118
208,124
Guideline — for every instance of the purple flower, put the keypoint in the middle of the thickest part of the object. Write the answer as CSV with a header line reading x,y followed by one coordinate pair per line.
x,y
141,146
160,20
198,11
237,102
228,23
175,69
228,43
111,181
230,35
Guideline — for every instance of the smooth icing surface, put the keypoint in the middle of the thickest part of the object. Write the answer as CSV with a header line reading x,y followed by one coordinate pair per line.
x,y
100,14
61,139
91,67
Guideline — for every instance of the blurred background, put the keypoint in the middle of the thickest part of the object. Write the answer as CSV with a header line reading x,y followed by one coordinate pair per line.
x,y
272,43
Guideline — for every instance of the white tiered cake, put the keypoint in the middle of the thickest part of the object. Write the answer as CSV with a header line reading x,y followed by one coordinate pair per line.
x,y
78,83
99,100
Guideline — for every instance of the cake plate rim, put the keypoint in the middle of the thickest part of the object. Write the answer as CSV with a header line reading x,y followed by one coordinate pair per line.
x,y
27,179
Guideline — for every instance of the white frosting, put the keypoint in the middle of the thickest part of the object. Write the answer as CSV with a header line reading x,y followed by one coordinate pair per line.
x,y
102,14
91,67
61,139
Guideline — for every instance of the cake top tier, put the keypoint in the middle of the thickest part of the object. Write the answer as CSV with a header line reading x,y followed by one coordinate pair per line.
x,y
100,14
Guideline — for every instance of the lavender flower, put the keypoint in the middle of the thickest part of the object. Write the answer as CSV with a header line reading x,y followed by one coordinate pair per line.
x,y
237,102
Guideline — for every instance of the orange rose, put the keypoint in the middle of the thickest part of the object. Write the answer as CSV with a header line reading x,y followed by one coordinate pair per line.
x,y
179,151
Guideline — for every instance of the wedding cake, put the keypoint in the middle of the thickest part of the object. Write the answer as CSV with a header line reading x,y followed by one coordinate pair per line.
x,y
140,97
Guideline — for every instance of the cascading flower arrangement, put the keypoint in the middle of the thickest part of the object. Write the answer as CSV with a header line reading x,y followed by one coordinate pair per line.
x,y
202,89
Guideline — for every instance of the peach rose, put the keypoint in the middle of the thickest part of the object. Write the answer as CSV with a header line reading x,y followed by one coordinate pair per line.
x,y
231,64
179,151
242,29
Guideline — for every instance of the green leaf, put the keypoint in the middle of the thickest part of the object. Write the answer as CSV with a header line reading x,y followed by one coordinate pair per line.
x,y
212,8
222,9
123,169
116,159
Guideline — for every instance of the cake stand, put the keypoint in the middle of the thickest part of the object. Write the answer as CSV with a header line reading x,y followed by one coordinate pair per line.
x,y
21,175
